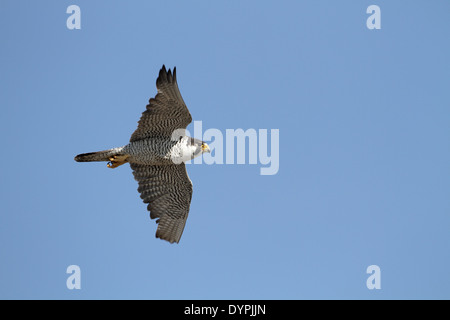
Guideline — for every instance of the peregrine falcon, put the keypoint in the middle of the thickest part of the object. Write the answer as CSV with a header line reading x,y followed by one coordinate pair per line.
x,y
156,154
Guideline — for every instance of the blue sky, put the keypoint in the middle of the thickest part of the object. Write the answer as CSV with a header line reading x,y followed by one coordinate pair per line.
x,y
364,122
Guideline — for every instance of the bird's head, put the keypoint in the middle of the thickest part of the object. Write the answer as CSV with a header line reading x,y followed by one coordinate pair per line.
x,y
205,148
198,147
188,148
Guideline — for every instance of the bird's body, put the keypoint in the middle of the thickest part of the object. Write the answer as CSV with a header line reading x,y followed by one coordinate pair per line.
x,y
156,153
151,151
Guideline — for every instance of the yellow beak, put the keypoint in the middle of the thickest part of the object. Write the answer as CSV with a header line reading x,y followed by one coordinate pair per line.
x,y
205,148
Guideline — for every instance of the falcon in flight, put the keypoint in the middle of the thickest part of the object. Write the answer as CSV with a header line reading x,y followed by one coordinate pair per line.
x,y
156,154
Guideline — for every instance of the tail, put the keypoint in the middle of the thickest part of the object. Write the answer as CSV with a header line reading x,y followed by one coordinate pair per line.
x,y
104,155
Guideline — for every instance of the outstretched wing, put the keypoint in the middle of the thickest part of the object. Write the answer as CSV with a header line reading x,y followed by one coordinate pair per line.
x,y
168,191
166,112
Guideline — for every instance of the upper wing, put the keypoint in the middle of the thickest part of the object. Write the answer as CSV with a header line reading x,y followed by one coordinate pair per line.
x,y
168,191
166,112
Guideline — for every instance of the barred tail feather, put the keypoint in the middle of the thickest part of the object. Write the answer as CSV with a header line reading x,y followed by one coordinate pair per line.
x,y
99,155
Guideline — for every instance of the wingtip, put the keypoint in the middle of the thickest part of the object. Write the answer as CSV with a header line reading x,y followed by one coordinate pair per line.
x,y
166,75
168,239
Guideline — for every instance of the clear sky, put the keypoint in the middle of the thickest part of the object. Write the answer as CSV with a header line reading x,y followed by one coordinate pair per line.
x,y
364,126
